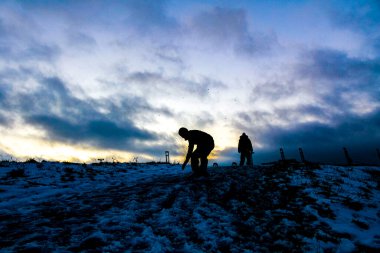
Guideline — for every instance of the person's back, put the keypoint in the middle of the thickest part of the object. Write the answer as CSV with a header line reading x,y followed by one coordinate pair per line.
x,y
245,144
245,149
198,137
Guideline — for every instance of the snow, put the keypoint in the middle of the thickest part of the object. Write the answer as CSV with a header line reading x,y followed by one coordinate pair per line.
x,y
66,207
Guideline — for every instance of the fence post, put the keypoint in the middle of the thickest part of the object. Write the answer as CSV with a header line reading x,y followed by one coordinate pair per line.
x,y
282,154
167,157
302,155
348,158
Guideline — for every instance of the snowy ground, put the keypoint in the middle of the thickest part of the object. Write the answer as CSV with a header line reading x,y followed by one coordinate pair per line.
x,y
60,207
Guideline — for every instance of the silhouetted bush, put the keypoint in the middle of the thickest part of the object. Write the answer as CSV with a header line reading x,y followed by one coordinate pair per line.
x,y
352,204
31,160
69,174
16,173
360,224
68,170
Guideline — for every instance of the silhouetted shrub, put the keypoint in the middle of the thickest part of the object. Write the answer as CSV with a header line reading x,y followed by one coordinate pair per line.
x,y
69,174
67,178
92,243
16,173
31,160
360,224
68,170
354,205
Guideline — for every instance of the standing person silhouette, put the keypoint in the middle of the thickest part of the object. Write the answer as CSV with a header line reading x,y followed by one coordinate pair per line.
x,y
245,150
205,144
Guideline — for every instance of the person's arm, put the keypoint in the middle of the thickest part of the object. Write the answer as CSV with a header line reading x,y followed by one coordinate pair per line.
x,y
188,155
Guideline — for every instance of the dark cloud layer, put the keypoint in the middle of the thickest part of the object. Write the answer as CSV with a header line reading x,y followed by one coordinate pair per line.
x,y
3,120
101,133
322,142
335,65
64,118
340,83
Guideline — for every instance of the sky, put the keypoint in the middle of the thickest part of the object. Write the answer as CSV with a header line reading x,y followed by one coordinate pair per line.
x,y
115,80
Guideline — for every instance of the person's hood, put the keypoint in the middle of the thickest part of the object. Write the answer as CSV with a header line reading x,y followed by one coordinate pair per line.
x,y
243,136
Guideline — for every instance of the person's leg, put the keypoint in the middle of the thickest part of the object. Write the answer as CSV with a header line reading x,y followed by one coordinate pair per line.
x,y
203,167
242,158
195,162
204,152
249,159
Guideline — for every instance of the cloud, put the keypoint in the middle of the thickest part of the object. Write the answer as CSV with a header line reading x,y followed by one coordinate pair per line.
x,y
227,156
341,83
101,133
3,108
342,109
65,118
204,119
274,90
81,40
3,120
142,17
322,141
197,88
149,15
363,16
335,65
225,26
158,150
170,54
50,51
19,40
376,44
38,51
5,112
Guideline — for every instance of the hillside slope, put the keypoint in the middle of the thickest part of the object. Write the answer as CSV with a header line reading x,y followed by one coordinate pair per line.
x,y
72,207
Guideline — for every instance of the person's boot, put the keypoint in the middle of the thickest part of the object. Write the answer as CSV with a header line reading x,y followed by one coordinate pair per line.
x,y
205,173
196,171
193,175
203,170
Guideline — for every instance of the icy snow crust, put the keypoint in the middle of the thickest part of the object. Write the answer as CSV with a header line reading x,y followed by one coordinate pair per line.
x,y
57,207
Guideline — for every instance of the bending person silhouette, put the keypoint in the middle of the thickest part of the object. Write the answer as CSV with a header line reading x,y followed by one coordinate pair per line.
x,y
245,150
205,144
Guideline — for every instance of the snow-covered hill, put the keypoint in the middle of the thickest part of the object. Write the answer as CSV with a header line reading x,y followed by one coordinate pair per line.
x,y
65,207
